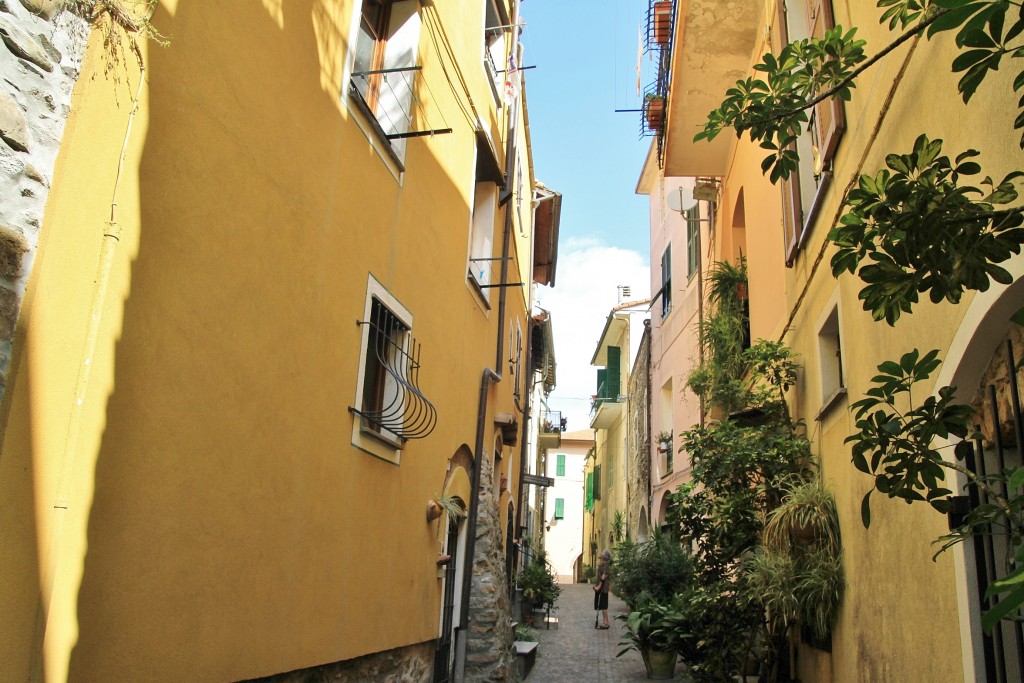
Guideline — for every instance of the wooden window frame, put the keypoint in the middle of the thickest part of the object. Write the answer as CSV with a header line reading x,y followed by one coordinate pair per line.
x,y
826,127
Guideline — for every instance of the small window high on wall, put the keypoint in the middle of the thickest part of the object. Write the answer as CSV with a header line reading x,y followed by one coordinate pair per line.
x,y
830,360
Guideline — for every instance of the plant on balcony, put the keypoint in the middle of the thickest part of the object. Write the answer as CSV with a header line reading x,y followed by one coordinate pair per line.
x,y
654,110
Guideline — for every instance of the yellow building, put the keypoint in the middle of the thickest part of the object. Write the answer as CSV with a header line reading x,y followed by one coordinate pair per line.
x,y
278,301
607,473
904,616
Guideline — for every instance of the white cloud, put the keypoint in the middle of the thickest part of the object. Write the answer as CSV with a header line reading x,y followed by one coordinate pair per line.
x,y
587,279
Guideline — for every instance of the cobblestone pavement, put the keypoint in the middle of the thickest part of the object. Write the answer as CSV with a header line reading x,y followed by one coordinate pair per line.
x,y
576,652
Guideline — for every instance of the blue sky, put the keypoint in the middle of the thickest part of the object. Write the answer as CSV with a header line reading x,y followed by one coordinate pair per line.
x,y
585,53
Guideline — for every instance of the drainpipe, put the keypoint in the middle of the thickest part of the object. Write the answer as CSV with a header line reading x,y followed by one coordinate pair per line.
x,y
523,446
473,516
489,375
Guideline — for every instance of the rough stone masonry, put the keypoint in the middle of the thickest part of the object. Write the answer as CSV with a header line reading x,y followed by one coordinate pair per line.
x,y
39,63
489,644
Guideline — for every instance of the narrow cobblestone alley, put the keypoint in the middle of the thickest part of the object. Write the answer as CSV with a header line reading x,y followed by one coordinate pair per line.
x,y
576,652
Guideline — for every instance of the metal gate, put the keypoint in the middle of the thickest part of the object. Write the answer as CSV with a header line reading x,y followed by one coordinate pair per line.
x,y
1004,647
443,656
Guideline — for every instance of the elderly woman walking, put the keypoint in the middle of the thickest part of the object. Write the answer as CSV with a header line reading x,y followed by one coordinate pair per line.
x,y
604,582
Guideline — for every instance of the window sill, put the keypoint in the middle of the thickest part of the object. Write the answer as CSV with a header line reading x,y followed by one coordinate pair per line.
x,y
370,120
834,399
480,292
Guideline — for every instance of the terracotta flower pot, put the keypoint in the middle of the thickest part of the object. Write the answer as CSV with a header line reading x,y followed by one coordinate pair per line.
x,y
663,22
655,111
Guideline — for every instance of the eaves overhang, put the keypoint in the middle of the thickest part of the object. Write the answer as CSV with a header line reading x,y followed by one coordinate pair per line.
x,y
614,326
714,46
547,217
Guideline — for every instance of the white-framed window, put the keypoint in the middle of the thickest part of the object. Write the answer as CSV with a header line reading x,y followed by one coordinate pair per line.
x,y
830,361
666,281
666,449
383,70
388,407
495,46
481,248
692,241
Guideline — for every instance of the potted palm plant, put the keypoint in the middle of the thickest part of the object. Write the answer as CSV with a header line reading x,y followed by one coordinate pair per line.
x,y
658,632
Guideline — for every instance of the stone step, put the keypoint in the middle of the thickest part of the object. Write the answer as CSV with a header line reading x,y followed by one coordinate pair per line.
x,y
551,622
526,655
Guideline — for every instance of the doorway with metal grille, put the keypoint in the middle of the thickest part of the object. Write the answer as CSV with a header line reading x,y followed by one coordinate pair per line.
x,y
443,655
997,446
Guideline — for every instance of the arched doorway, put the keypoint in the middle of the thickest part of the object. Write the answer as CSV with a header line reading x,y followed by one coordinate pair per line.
x,y
984,362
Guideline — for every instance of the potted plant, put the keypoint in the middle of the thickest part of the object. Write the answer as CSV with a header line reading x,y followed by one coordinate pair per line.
x,y
654,110
538,586
441,504
650,571
658,632
806,515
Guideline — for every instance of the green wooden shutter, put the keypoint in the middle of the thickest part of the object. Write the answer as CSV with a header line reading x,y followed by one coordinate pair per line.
x,y
559,508
602,388
590,491
613,372
560,466
597,482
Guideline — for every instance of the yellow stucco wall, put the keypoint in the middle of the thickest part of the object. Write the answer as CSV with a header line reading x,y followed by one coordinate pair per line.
x,y
200,512
899,603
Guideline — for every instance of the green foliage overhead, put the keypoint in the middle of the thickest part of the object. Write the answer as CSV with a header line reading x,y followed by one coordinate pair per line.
x,y
916,227
772,106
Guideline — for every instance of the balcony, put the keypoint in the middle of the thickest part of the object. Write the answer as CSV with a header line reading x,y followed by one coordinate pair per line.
x,y
607,406
549,433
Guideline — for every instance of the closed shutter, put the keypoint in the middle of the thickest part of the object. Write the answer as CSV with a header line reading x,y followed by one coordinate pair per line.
x,y
560,466
559,508
614,371
590,491
597,482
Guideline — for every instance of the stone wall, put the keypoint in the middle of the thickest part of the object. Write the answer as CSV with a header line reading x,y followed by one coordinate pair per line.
x,y
489,650
39,64
412,664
